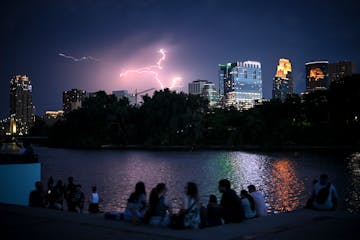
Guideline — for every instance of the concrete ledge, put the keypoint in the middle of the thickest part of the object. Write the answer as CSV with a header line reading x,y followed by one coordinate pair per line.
x,y
22,222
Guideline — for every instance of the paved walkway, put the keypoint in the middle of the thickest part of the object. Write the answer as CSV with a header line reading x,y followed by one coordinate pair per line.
x,y
28,223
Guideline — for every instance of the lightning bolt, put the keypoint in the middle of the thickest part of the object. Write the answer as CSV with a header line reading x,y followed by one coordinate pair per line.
x,y
78,59
153,70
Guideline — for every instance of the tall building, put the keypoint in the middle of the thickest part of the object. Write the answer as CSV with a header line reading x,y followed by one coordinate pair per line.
x,y
21,106
205,89
225,78
317,75
242,84
341,69
283,84
196,87
210,93
73,99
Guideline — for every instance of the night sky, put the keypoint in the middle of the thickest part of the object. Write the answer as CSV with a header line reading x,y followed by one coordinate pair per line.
x,y
197,35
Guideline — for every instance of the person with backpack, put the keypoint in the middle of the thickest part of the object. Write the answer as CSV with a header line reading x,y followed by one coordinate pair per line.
x,y
324,194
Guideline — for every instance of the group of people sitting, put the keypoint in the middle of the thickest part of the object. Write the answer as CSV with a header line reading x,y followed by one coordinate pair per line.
x,y
56,194
157,211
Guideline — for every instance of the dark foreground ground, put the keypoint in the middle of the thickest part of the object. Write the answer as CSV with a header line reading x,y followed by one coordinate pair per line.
x,y
26,223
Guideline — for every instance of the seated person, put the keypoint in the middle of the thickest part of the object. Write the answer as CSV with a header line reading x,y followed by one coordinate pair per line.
x,y
213,212
324,194
248,204
157,213
230,204
259,199
37,197
191,206
136,204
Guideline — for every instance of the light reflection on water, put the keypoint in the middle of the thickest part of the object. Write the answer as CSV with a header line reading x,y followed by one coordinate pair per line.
x,y
283,178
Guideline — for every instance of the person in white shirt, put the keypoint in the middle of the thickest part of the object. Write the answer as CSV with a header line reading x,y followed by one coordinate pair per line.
x,y
259,199
324,194
94,201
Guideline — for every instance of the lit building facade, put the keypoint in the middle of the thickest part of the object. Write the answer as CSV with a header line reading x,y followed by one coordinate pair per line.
x,y
283,84
205,89
73,99
196,87
211,94
21,106
341,69
242,85
317,75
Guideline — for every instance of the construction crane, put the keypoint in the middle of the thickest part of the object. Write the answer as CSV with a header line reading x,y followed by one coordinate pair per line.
x,y
142,92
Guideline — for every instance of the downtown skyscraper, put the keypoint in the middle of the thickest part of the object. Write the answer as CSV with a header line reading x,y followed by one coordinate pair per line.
x,y
283,84
21,105
240,84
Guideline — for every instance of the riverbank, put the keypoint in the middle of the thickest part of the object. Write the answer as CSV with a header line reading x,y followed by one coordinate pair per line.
x,y
21,222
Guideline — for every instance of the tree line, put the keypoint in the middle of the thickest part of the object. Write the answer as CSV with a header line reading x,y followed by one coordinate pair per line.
x,y
319,118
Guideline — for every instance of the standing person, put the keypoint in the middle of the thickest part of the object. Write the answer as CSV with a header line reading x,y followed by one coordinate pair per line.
x,y
231,209
78,199
324,194
191,206
259,199
248,204
136,204
69,192
157,213
37,197
213,212
94,201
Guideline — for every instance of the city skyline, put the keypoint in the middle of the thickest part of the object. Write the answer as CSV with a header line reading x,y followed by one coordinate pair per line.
x,y
61,46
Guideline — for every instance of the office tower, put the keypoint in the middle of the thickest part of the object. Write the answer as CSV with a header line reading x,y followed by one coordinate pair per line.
x,y
205,89
73,99
225,79
242,84
21,106
341,69
317,75
196,87
283,84
211,94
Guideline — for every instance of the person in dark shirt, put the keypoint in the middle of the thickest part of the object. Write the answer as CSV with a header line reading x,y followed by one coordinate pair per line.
x,y
37,197
78,199
213,212
68,195
231,208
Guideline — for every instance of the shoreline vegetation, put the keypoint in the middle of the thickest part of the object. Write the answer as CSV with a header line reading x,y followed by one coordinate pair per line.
x,y
322,119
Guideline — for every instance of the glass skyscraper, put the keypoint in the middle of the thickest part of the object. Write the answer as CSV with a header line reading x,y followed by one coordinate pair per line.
x,y
242,83
283,84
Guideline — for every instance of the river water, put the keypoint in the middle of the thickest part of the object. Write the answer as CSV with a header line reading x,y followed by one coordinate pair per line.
x,y
284,178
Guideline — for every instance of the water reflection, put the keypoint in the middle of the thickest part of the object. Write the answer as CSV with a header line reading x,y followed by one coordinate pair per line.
x,y
353,186
284,187
280,178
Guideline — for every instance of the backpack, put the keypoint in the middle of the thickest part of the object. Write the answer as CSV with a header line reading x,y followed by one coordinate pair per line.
x,y
323,194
